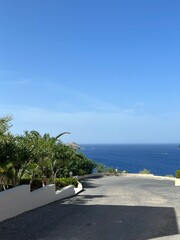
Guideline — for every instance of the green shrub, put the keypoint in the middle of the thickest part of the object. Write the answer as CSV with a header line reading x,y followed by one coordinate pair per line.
x,y
60,183
36,184
101,168
144,171
63,182
111,170
177,173
25,181
73,181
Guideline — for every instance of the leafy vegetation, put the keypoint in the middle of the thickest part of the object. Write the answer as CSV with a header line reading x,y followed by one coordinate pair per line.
x,y
101,168
35,156
36,184
62,182
177,173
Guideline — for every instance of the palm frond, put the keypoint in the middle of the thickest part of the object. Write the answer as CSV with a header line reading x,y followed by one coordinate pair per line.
x,y
58,136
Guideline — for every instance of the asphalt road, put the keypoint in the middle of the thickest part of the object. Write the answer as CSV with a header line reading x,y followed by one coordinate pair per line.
x,y
110,208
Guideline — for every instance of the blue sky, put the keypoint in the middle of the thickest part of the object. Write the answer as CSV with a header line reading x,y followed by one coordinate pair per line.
x,y
105,70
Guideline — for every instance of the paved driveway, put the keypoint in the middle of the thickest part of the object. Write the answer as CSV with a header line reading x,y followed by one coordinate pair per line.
x,y
110,208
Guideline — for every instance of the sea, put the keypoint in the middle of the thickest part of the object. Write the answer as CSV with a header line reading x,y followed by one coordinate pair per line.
x,y
159,159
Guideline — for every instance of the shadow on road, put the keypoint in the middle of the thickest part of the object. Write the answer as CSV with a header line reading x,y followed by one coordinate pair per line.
x,y
89,183
59,221
82,199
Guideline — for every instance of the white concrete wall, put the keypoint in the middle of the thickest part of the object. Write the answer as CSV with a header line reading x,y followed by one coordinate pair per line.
x,y
19,199
177,182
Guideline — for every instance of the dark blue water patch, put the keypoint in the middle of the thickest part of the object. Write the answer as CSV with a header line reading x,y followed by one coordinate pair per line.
x,y
159,159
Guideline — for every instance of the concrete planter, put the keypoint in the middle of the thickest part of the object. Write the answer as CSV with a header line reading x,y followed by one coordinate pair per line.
x,y
177,182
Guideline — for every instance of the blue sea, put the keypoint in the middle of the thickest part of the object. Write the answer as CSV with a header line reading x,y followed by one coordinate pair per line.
x,y
159,159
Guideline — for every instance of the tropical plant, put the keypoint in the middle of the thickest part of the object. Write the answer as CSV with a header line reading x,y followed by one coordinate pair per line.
x,y
62,182
100,168
177,173
32,155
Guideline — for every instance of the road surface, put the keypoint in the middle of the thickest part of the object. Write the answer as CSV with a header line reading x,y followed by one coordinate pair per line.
x,y
109,208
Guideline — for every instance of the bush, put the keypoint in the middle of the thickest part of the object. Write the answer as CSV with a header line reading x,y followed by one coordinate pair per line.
x,y
73,181
63,182
101,168
60,183
177,173
111,170
144,171
25,181
36,184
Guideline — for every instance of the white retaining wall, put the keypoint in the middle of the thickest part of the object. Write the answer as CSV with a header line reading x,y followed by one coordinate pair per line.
x,y
19,199
177,182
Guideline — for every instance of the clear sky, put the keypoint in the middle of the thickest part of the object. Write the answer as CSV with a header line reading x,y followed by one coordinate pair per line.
x,y
108,71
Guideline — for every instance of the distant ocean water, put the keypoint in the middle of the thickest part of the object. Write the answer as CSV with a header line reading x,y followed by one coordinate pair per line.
x,y
160,159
